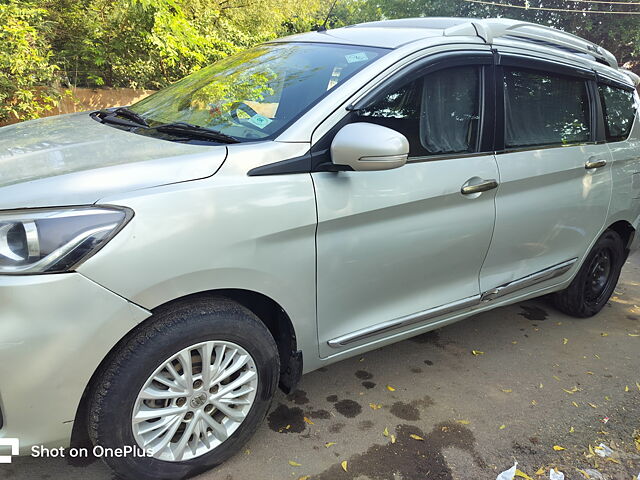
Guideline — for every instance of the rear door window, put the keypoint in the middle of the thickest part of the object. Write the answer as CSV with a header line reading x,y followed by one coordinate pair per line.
x,y
619,111
545,109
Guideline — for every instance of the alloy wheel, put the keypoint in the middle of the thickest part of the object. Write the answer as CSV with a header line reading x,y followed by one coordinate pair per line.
x,y
195,400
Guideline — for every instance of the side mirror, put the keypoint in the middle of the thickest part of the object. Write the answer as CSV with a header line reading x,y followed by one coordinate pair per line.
x,y
367,146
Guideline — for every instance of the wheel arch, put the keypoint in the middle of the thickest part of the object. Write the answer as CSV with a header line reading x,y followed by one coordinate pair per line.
x,y
625,230
265,308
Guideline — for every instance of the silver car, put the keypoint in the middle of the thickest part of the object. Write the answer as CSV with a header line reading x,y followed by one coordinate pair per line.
x,y
164,267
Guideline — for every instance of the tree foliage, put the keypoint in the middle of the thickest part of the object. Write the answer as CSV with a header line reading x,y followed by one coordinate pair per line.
x,y
151,43
25,68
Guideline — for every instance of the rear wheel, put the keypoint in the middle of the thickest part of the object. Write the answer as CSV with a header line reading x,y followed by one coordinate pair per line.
x,y
592,287
189,389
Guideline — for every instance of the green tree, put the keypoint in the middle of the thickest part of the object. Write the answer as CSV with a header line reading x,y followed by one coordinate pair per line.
x,y
26,73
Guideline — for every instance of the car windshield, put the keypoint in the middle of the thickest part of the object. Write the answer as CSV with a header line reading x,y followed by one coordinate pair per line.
x,y
258,93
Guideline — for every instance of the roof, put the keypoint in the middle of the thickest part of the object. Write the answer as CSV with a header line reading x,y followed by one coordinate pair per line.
x,y
396,33
370,35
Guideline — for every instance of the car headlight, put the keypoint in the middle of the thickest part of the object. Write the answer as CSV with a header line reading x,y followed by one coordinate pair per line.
x,y
54,240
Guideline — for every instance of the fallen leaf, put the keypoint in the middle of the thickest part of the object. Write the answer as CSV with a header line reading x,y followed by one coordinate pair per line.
x,y
507,390
558,448
556,377
393,439
416,437
592,405
638,385
541,386
609,459
344,465
375,406
502,427
565,341
521,474
540,471
305,477
294,464
463,422
571,430
385,432
591,450
570,392
634,334
515,342
626,388
637,442
589,373
390,388
477,352
329,444
597,356
533,402
584,474
307,420
604,334
575,404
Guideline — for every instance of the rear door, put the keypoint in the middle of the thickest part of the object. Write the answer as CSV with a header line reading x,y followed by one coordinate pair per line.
x,y
555,179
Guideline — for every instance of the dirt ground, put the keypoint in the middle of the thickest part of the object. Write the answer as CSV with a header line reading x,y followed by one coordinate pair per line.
x,y
542,389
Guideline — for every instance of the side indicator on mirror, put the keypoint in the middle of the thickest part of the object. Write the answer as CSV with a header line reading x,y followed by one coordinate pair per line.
x,y
368,147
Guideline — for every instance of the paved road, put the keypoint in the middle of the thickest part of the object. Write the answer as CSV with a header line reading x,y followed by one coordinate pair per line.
x,y
544,380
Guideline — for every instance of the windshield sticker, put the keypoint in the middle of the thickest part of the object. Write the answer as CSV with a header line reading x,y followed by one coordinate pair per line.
x,y
260,121
356,57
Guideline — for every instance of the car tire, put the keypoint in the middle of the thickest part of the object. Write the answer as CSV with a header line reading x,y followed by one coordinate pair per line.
x,y
596,280
184,333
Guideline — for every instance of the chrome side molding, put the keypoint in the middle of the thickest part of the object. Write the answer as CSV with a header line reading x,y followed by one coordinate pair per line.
x,y
529,280
407,320
403,321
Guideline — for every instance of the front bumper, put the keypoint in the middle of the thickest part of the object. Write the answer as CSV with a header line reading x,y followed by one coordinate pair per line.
x,y
54,332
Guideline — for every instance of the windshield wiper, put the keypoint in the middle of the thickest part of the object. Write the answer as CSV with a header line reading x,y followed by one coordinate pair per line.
x,y
122,116
130,115
193,131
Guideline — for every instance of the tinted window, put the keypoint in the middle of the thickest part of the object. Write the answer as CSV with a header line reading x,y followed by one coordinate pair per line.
x,y
619,112
544,109
438,113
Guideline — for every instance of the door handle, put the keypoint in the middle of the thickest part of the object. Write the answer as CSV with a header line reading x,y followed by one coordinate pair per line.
x,y
594,164
479,187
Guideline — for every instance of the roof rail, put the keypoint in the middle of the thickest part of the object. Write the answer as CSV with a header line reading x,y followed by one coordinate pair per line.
x,y
491,28
634,78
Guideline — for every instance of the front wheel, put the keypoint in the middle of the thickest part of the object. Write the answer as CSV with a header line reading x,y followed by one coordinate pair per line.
x,y
186,391
592,287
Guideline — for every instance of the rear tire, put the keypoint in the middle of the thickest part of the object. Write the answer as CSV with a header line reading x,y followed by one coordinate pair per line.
x,y
596,280
185,333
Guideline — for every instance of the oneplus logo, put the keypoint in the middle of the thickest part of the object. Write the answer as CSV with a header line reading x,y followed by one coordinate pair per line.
x,y
14,443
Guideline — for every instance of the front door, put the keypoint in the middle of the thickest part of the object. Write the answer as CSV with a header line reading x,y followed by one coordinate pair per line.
x,y
555,181
394,245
